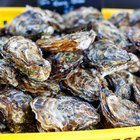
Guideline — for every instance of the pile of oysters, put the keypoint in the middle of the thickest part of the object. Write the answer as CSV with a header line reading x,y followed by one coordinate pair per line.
x,y
69,72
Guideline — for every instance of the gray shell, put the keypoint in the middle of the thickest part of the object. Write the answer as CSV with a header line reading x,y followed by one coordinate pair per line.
x,y
27,58
35,21
15,107
82,84
119,112
107,57
64,114
7,73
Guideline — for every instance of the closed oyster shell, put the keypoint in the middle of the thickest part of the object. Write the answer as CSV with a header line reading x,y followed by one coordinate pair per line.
x,y
107,57
27,58
70,42
136,88
7,73
82,84
135,18
38,87
64,114
106,30
81,16
35,21
63,63
119,112
120,19
121,83
133,34
134,64
15,107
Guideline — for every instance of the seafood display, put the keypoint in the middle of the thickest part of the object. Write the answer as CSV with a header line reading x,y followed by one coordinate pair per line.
x,y
76,71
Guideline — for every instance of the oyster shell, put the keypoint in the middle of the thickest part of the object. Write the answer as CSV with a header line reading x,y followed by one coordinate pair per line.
x,y
38,87
134,64
135,18
15,107
136,88
63,63
3,40
64,114
27,58
7,73
69,42
121,83
119,112
82,84
80,17
106,30
107,57
133,34
120,19
35,21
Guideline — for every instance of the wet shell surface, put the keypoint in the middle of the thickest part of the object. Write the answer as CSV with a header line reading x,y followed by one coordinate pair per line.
x,y
64,114
82,84
27,58
69,42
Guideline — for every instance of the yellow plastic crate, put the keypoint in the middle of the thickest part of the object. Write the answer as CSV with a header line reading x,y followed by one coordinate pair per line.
x,y
129,133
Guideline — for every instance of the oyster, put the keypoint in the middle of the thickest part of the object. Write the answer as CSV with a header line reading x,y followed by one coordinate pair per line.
x,y
38,87
63,63
64,114
107,57
121,83
35,21
69,42
135,18
3,40
80,17
7,73
27,58
120,19
119,112
82,84
133,34
106,30
15,107
136,88
134,64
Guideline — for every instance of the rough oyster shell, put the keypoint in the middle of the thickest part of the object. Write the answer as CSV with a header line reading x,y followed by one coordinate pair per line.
x,y
120,19
15,107
69,42
38,87
136,88
135,18
134,64
82,84
106,30
121,83
7,73
27,58
63,63
107,57
35,21
81,16
119,112
64,114
133,34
